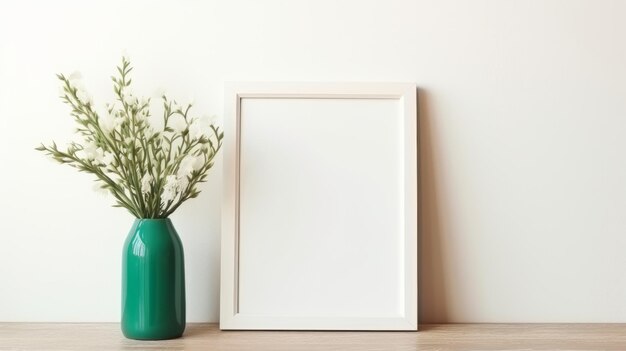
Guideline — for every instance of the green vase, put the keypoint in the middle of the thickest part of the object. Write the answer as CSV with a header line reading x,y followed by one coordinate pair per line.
x,y
153,283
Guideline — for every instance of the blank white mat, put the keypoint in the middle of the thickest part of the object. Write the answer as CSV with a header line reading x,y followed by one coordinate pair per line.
x,y
321,231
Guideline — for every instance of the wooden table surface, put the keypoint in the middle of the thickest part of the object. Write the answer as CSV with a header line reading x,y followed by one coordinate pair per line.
x,y
440,337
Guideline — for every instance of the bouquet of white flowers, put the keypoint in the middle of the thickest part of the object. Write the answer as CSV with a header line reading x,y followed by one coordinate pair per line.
x,y
151,166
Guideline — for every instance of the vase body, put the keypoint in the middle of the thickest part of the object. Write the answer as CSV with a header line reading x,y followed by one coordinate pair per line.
x,y
153,281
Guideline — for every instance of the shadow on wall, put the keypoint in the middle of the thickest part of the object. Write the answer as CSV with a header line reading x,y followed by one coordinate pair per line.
x,y
433,296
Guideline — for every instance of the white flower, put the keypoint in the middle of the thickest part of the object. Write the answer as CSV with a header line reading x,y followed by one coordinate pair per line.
x,y
108,158
170,189
84,97
75,76
167,195
76,81
178,123
91,152
199,127
110,122
146,183
98,156
182,183
188,165
127,96
129,99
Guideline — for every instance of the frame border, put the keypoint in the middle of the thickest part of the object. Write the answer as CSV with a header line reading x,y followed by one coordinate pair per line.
x,y
234,92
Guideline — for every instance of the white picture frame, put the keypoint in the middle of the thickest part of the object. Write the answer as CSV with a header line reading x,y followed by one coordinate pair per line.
x,y
319,222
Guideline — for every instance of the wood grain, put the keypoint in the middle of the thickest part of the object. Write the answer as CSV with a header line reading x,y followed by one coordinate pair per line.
x,y
453,337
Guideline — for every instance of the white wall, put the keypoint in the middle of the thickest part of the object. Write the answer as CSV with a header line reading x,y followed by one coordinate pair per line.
x,y
522,114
